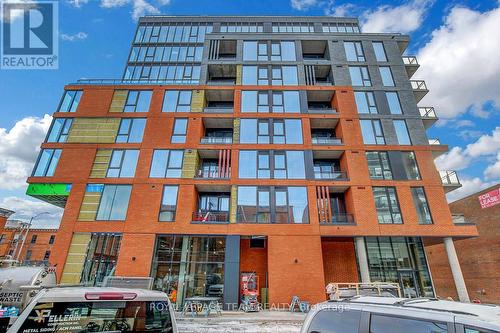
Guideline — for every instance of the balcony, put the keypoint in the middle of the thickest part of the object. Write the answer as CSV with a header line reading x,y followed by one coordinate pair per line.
x,y
428,115
219,101
222,50
210,217
320,102
218,109
318,75
459,219
339,219
213,140
330,175
314,50
411,65
327,141
419,89
221,75
450,180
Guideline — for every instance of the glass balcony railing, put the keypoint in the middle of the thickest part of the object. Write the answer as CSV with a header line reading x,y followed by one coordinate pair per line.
x,y
434,142
427,112
449,178
418,85
339,218
332,175
218,109
319,109
213,174
210,217
410,60
216,140
326,141
459,219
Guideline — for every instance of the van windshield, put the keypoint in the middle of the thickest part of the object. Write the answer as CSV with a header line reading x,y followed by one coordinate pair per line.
x,y
112,316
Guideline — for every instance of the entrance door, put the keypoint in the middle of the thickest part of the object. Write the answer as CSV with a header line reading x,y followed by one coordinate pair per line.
x,y
408,283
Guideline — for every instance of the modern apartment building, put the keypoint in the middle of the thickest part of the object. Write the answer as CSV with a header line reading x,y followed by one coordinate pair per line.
x,y
291,148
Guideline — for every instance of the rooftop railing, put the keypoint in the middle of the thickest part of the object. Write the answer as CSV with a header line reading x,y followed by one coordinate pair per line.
x,y
339,219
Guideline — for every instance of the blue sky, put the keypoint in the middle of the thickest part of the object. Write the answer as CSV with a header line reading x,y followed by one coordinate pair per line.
x,y
452,39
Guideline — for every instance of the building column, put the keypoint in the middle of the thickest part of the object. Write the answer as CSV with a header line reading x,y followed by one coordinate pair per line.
x,y
362,259
456,271
232,272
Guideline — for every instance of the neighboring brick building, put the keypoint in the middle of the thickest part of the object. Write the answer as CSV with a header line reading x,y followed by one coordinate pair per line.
x,y
291,147
37,247
479,256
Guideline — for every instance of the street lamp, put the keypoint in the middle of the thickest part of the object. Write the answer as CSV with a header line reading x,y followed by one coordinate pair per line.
x,y
28,227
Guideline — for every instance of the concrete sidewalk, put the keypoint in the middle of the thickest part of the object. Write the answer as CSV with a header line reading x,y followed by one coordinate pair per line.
x,y
234,321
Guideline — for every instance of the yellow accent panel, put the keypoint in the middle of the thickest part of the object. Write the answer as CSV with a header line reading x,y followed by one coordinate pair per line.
x,y
75,259
119,100
90,204
234,204
190,163
94,130
101,163
236,130
239,70
198,101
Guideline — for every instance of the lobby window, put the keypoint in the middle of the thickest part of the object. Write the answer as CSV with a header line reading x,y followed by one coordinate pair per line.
x,y
354,51
402,132
138,101
421,205
180,130
47,163
282,131
359,76
33,239
372,132
270,101
167,164
101,257
59,130
365,102
114,203
386,202
393,101
410,165
52,239
379,165
70,100
386,74
271,164
177,101
123,163
168,203
379,49
131,130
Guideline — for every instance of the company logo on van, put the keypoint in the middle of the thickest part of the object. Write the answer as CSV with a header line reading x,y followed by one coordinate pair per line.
x,y
41,315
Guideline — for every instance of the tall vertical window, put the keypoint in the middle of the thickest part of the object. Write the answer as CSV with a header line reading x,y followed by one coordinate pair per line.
x,y
59,130
386,74
114,202
410,165
138,101
180,130
122,163
379,49
168,203
70,100
177,101
402,132
249,51
359,76
249,75
365,102
421,205
354,51
263,165
167,164
372,132
52,239
33,239
263,75
386,202
393,101
131,130
379,165
46,256
47,163
101,258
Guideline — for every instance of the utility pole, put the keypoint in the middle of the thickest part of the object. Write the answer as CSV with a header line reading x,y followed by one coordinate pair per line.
x,y
28,227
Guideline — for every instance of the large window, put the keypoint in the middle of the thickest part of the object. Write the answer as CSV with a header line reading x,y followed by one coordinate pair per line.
x,y
114,202
177,101
122,163
359,76
70,100
271,164
166,54
270,75
131,130
393,101
379,165
421,205
365,102
410,166
138,101
192,33
101,258
402,132
379,49
180,130
387,204
265,51
47,163
277,131
397,165
354,51
386,74
171,74
264,101
272,205
168,203
167,164
372,132
59,130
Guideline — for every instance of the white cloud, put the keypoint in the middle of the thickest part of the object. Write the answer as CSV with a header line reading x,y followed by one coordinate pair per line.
x,y
493,171
460,63
19,148
113,3
405,18
303,4
24,209
78,3
340,10
469,186
141,8
74,37
455,159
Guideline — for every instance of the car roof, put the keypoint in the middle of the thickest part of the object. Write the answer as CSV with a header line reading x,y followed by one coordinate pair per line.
x,y
77,294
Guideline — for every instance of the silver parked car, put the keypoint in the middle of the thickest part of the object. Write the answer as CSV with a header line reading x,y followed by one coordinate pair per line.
x,y
367,314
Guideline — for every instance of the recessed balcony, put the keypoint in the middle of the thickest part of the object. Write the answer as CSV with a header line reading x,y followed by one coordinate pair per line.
x,y
219,101
411,65
459,219
329,169
314,50
217,131
450,180
331,204
339,219
419,89
210,217
320,102
222,49
318,75
428,115
221,74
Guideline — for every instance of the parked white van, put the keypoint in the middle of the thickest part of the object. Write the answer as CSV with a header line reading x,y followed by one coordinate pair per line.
x,y
82,309
368,314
